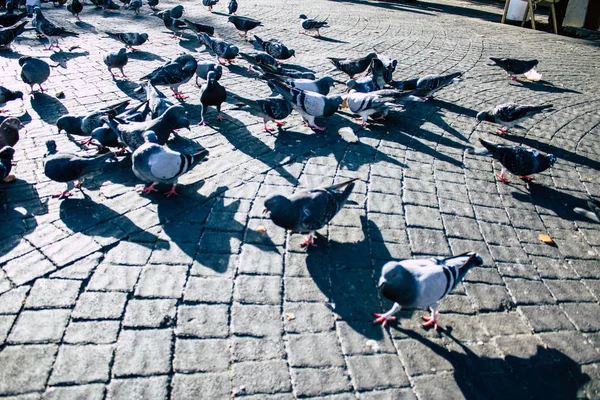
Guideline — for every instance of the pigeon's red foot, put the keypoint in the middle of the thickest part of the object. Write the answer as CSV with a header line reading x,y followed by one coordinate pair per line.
x,y
382,319
220,62
87,141
502,131
62,195
502,178
124,76
220,117
149,189
431,321
78,185
526,178
315,127
279,123
512,77
310,241
203,122
267,129
133,50
121,152
242,35
172,192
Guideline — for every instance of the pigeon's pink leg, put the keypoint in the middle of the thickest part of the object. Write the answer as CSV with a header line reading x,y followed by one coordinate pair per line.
x,y
266,128
78,185
220,62
279,123
502,178
383,319
149,189
243,35
502,131
62,195
202,122
220,117
526,178
512,77
3,110
172,191
310,241
133,50
86,141
432,321
315,127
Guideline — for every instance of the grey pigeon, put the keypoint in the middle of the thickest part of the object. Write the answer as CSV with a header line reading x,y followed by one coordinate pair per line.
x,y
269,109
510,114
84,124
9,19
34,71
389,63
309,105
174,73
221,48
309,24
68,167
275,48
135,6
177,11
232,7
9,132
429,84
422,283
513,66
131,134
152,4
75,7
116,60
285,72
7,95
174,25
204,68
49,30
108,5
199,28
209,4
213,95
365,84
376,79
369,104
155,163
409,84
243,24
104,136
308,210
129,39
259,59
321,85
521,161
157,101
8,34
6,156
352,66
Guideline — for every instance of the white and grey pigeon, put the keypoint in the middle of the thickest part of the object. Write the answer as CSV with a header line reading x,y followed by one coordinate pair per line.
x,y
310,25
309,105
308,210
116,60
204,68
276,48
174,74
321,85
519,160
221,48
157,101
155,163
510,114
129,39
368,104
422,283
429,84
269,109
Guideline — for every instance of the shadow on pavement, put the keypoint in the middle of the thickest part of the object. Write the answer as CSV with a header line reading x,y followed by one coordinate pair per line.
x,y
543,86
48,107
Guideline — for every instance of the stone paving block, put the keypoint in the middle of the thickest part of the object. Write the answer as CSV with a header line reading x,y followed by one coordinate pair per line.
x,y
256,349
39,326
572,345
114,278
314,350
162,281
529,292
546,318
407,394
100,305
214,265
154,387
523,351
82,364
92,332
208,290
464,228
79,269
143,353
553,268
12,301
47,293
441,385
307,317
569,291
428,241
503,324
220,242
64,252
253,289
6,322
203,321
489,297
94,391
583,315
423,217
25,368
319,382
180,254
492,215
151,313
28,267
419,358
498,234
378,371
195,386
465,328
256,320
508,254
261,377
129,253
365,338
303,289
487,274
257,259
517,270
206,355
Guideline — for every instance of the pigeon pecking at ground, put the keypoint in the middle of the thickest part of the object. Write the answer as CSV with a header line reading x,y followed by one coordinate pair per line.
x,y
520,161
116,60
34,71
352,66
9,132
276,48
429,84
84,124
308,210
157,101
309,24
129,39
174,74
510,114
422,283
269,109
513,66
369,104
221,48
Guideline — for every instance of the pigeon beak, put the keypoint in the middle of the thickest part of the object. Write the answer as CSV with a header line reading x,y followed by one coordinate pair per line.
x,y
345,103
382,282
265,211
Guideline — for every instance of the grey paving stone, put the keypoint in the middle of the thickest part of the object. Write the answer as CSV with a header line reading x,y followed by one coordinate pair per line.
x,y
6,322
40,326
569,291
307,317
82,364
64,252
428,241
143,353
12,301
319,382
154,387
261,377
407,394
47,293
151,313
546,318
25,368
253,289
378,371
208,290
81,269
314,350
440,385
195,386
529,292
114,278
503,324
92,332
214,265
419,358
464,228
583,315
257,259
206,355
94,391
203,321
256,320
489,297
553,268
28,267
220,242
365,338
99,305
129,253
162,281
256,349
572,345
303,289
424,217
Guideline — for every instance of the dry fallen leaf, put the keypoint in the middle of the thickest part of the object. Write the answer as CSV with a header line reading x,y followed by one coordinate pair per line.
x,y
348,135
261,229
290,316
533,75
545,238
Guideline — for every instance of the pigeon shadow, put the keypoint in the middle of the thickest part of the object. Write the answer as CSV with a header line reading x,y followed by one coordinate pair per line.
x,y
543,86
243,71
47,107
9,53
144,56
65,56
131,89
454,108
328,39
25,118
190,44
387,5
86,27
547,374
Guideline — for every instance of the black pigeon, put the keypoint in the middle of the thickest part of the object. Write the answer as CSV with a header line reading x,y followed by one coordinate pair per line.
x,y
7,95
259,59
135,6
199,28
285,72
34,70
84,124
6,156
269,109
177,11
75,7
9,131
213,95
152,4
9,34
513,66
352,66
172,24
209,4
9,19
429,84
308,210
243,24
232,7
221,48
521,161
510,114
116,60
49,30
204,68
129,39
275,48
174,73
309,24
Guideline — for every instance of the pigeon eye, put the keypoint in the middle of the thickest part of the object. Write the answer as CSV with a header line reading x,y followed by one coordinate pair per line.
x,y
393,275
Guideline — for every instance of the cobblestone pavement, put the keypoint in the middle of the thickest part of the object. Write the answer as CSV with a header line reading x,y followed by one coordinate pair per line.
x,y
120,295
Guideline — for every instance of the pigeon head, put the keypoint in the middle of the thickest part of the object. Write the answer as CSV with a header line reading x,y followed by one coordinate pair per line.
x,y
551,159
396,283
177,114
232,19
150,137
328,80
122,51
337,101
371,56
11,123
292,53
351,84
211,77
302,16
144,36
483,116
24,59
281,211
7,152
51,146
37,11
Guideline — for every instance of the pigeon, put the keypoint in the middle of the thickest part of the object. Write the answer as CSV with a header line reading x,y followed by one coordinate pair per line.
x,y
308,104
129,39
104,136
243,24
409,84
9,132
221,48
422,283
157,101
49,30
9,19
368,104
365,84
510,114
285,72
594,209
34,70
520,161
177,11
389,63
174,25
209,4
9,34
108,5
116,60
7,95
155,163
69,167
152,4
213,95
275,48
199,28
259,59
321,85
352,66
84,124
308,210
232,7
75,7
309,24
204,68
97,3
6,156
269,109
131,134
174,74
429,84
135,6
513,66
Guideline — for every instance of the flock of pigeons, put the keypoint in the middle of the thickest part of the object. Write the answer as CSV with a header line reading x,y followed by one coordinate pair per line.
x,y
143,130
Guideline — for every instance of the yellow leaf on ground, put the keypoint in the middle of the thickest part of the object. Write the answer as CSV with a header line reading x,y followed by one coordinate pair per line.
x,y
545,238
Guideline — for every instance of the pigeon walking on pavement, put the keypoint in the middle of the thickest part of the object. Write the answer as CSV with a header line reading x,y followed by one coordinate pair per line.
x,y
75,7
34,71
7,95
309,24
368,104
84,124
116,60
209,3
510,114
9,132
6,156
308,210
49,30
429,84
174,74
422,283
155,163
352,66
513,67
129,39
10,33
519,160
221,48
259,59
232,7
243,24
135,5
269,109
276,48
174,25
213,95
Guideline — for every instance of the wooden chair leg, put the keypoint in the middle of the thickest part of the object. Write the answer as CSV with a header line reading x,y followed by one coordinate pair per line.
x,y
532,14
553,15
505,11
